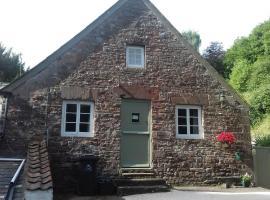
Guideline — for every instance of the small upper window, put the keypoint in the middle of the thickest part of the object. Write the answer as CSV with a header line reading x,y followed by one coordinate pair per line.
x,y
135,56
77,119
189,122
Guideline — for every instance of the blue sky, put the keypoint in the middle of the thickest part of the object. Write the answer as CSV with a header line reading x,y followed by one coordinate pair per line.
x,y
36,28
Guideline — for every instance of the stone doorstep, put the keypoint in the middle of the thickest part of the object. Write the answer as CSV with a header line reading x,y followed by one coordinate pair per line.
x,y
138,181
138,175
137,172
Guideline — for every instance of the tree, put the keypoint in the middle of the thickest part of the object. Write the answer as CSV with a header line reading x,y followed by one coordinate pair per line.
x,y
250,48
11,64
193,38
249,61
214,54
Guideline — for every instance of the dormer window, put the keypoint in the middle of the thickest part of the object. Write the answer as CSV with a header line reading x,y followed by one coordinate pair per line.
x,y
135,56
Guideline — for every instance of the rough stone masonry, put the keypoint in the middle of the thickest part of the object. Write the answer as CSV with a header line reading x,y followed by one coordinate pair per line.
x,y
172,76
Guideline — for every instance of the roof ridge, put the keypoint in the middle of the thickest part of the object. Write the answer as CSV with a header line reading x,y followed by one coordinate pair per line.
x,y
65,47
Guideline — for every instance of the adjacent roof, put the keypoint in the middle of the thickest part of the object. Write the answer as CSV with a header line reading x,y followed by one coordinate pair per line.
x,y
8,169
37,171
3,84
100,21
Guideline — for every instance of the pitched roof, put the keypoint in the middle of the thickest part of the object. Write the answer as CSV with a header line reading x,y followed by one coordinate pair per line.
x,y
66,47
37,169
101,20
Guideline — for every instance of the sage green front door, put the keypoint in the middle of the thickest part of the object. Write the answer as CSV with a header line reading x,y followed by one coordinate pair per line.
x,y
135,133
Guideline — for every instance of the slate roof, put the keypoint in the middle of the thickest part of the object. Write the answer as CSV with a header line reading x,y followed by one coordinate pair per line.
x,y
7,171
37,171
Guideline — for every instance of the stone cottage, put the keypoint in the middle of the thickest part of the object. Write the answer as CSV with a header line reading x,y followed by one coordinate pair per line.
x,y
132,92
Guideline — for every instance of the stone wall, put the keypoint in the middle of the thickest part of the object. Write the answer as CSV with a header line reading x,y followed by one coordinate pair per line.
x,y
173,76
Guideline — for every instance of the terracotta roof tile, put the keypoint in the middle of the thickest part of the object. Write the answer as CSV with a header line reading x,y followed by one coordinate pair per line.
x,y
38,173
46,186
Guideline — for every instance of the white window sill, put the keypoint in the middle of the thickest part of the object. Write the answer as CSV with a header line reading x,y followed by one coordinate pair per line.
x,y
189,137
135,66
77,135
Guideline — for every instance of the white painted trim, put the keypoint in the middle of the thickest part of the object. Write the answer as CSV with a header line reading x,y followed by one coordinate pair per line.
x,y
77,133
200,122
142,57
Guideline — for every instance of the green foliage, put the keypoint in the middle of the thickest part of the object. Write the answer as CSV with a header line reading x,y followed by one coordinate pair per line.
x,y
11,65
263,127
249,62
246,180
250,48
214,54
260,73
262,140
260,103
240,75
193,38
240,51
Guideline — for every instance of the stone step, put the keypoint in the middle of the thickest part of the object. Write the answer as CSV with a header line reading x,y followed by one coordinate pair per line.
x,y
129,190
136,170
138,175
139,182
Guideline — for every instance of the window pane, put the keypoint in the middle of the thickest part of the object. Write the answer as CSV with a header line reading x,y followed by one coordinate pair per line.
x,y
70,117
131,60
135,56
182,121
84,117
138,51
193,112
70,127
182,112
182,130
193,121
138,59
84,127
71,108
132,51
85,108
194,130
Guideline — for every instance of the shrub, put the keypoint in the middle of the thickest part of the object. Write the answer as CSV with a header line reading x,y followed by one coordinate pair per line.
x,y
246,180
262,140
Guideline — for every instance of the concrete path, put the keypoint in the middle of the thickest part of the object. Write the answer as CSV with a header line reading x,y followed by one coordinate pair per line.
x,y
192,195
189,193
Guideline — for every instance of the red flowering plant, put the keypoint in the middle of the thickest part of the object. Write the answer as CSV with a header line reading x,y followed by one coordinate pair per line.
x,y
226,137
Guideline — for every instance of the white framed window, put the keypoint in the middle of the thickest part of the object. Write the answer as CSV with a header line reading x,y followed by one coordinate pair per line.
x,y
135,56
77,119
188,121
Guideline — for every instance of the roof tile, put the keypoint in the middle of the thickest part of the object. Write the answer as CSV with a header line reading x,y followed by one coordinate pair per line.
x,y
38,173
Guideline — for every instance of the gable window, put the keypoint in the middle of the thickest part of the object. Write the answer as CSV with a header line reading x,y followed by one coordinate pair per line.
x,y
135,57
77,119
189,122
